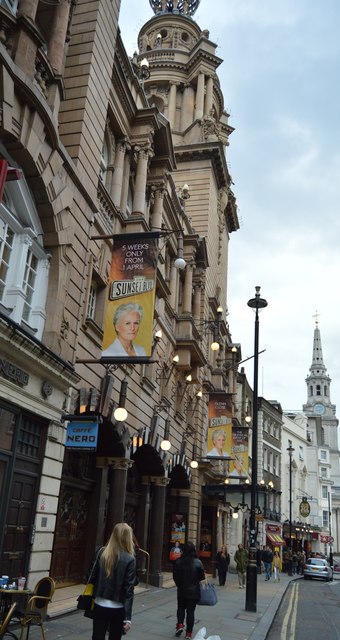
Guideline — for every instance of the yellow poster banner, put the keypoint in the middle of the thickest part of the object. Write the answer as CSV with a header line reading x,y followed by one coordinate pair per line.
x,y
219,436
130,301
239,465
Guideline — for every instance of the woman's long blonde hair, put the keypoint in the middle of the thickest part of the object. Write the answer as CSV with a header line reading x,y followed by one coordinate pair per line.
x,y
121,539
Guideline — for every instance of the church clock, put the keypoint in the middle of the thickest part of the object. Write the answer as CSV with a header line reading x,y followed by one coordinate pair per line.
x,y
319,409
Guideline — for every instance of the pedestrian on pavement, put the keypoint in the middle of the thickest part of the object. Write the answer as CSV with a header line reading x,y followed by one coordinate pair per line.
x,y
114,579
294,564
277,566
267,557
188,572
223,561
300,562
241,559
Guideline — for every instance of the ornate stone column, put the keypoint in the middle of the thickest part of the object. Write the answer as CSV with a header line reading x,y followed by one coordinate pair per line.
x,y
117,178
157,212
173,286
138,207
126,179
25,42
199,97
56,45
28,8
197,302
208,105
187,293
117,492
187,111
143,514
157,529
172,103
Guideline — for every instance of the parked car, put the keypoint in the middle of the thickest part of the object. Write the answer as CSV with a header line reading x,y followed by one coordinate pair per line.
x,y
317,568
336,566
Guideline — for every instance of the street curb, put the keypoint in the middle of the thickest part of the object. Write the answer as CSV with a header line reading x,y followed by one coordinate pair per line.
x,y
264,625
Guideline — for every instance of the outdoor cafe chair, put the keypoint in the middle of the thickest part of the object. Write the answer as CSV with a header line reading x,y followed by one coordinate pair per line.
x,y
4,625
36,608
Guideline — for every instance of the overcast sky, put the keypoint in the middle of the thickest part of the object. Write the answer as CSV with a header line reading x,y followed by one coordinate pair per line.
x,y
281,83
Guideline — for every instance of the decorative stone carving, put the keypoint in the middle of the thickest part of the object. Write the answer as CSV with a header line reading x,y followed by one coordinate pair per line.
x,y
222,203
210,128
184,7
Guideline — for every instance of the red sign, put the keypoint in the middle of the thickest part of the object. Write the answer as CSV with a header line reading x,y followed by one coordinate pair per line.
x,y
326,539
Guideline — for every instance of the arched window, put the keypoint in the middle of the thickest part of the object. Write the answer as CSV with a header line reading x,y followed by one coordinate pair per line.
x,y
24,263
318,390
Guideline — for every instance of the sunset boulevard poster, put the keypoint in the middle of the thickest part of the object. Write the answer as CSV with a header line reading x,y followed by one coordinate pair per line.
x,y
129,311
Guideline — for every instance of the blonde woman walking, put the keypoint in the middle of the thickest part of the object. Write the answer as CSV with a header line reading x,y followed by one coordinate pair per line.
x,y
114,579
276,566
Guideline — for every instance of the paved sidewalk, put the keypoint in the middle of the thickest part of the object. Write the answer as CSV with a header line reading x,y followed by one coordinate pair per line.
x,y
154,614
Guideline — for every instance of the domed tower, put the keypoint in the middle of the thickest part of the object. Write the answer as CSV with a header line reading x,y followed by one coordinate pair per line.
x,y
183,83
184,86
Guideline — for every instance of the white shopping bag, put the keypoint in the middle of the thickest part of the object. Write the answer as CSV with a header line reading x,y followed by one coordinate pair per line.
x,y
200,635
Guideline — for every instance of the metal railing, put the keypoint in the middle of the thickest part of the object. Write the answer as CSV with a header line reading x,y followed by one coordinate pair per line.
x,y
147,570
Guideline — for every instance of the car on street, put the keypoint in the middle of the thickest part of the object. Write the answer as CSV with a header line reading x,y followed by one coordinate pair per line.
x,y
317,568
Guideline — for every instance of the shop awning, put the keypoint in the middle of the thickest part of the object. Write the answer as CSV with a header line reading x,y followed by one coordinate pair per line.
x,y
275,538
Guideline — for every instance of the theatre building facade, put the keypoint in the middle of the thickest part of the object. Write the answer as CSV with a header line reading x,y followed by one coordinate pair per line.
x,y
98,151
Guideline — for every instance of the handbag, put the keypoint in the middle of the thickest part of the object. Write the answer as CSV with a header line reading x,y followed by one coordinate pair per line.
x,y
208,595
85,601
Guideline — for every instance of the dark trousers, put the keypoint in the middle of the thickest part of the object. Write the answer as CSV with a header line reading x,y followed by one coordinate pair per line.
x,y
184,605
105,618
222,575
268,567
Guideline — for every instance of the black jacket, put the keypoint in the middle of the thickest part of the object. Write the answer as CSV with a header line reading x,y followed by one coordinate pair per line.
x,y
118,587
222,562
267,556
187,577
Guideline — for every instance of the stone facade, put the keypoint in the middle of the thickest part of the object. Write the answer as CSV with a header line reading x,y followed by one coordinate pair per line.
x,y
103,151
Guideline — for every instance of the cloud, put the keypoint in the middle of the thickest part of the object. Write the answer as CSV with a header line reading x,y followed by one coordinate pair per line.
x,y
279,80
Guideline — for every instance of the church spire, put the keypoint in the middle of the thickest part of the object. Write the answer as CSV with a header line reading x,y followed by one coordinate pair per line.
x,y
317,361
318,381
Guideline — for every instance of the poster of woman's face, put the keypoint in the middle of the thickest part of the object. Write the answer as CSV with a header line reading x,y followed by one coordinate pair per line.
x,y
177,535
129,309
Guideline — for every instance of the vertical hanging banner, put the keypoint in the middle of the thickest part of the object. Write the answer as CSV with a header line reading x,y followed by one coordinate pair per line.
x,y
239,465
129,310
219,436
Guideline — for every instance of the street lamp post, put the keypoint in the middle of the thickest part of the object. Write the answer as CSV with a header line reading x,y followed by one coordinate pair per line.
x,y
290,450
251,587
330,531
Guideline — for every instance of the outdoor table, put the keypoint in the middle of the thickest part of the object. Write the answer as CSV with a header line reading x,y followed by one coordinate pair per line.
x,y
7,597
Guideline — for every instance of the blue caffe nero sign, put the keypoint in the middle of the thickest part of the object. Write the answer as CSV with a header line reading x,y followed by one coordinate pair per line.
x,y
81,435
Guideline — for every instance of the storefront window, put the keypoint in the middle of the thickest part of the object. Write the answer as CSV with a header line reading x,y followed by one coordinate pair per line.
x,y
7,423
